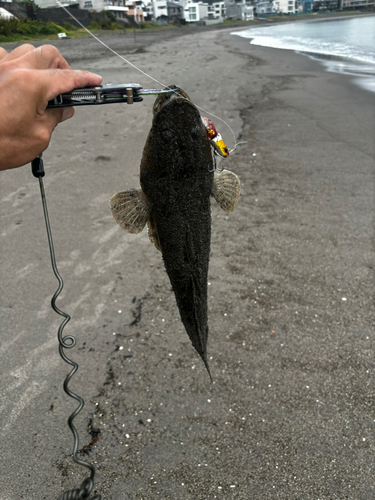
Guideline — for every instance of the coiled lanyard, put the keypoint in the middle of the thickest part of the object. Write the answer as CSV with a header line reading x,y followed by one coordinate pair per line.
x,y
67,342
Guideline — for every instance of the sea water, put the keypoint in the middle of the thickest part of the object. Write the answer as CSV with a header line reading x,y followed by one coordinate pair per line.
x,y
342,45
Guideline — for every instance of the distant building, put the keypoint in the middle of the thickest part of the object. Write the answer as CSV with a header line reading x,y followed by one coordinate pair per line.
x,y
121,9
194,12
239,9
158,10
134,10
174,12
306,6
265,7
270,7
285,6
186,11
50,4
164,12
355,4
217,11
325,5
117,7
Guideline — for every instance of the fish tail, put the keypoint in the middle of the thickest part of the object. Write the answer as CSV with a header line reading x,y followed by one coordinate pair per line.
x,y
207,367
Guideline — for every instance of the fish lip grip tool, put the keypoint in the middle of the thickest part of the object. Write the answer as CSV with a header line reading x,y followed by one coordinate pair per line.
x,y
105,94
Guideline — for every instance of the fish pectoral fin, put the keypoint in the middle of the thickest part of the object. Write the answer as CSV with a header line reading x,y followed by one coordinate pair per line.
x,y
131,210
152,234
226,190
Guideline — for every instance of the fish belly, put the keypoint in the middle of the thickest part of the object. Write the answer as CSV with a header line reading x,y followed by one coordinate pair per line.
x,y
184,240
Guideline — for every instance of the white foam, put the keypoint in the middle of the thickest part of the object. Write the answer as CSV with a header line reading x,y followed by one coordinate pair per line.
x,y
343,46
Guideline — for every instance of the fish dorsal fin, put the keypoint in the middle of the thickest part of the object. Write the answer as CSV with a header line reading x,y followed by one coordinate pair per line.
x,y
152,233
131,210
226,190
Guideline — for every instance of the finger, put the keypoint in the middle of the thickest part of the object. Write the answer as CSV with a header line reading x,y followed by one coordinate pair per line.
x,y
44,128
52,117
47,124
19,52
67,113
44,57
3,53
61,81
51,54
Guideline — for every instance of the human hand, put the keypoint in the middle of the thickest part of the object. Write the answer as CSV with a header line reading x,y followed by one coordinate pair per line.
x,y
29,78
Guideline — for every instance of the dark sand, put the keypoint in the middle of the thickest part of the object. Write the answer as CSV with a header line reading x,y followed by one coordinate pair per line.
x,y
290,414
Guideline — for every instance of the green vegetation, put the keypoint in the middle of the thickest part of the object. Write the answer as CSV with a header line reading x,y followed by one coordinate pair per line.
x,y
69,27
14,30
107,23
109,15
151,25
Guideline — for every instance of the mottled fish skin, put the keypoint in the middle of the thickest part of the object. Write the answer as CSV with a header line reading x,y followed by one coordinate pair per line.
x,y
178,178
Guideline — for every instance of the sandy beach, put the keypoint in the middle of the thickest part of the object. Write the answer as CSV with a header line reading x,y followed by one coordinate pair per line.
x,y
290,414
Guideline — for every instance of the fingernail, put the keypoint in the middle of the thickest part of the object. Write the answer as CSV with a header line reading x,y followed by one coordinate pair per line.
x,y
66,114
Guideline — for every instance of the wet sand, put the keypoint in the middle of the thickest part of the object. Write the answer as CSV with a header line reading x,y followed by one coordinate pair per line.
x,y
290,414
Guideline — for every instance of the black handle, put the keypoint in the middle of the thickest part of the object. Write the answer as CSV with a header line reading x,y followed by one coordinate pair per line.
x,y
37,167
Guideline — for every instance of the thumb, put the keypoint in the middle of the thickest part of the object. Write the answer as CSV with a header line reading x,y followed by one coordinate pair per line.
x,y
67,113
52,117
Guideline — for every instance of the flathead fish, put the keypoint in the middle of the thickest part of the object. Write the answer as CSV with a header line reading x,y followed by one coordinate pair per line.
x,y
178,178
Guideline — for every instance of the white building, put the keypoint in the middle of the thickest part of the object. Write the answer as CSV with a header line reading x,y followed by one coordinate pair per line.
x,y
49,4
117,7
192,11
217,11
158,10
285,6
265,7
239,9
353,4
195,11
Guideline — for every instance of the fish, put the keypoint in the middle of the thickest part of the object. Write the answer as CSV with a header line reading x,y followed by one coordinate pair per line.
x,y
177,180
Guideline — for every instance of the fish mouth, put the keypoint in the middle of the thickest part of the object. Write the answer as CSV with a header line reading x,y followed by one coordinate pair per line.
x,y
165,99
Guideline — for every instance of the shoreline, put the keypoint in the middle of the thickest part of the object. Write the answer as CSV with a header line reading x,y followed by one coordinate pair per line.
x,y
187,30
361,70
289,413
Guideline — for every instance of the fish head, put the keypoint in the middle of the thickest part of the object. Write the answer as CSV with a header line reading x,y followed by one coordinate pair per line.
x,y
164,99
216,141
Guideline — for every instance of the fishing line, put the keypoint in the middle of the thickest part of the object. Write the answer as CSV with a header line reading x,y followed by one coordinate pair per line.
x,y
144,73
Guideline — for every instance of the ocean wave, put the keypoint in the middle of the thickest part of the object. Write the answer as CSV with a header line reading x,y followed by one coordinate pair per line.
x,y
310,46
343,46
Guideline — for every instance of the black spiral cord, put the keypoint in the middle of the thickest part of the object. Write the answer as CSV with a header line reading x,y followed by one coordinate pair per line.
x,y
67,342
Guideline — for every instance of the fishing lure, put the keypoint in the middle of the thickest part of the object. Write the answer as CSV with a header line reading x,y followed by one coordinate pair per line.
x,y
217,142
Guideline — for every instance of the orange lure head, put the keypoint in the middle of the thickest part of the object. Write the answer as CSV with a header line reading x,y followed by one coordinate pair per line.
x,y
215,138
